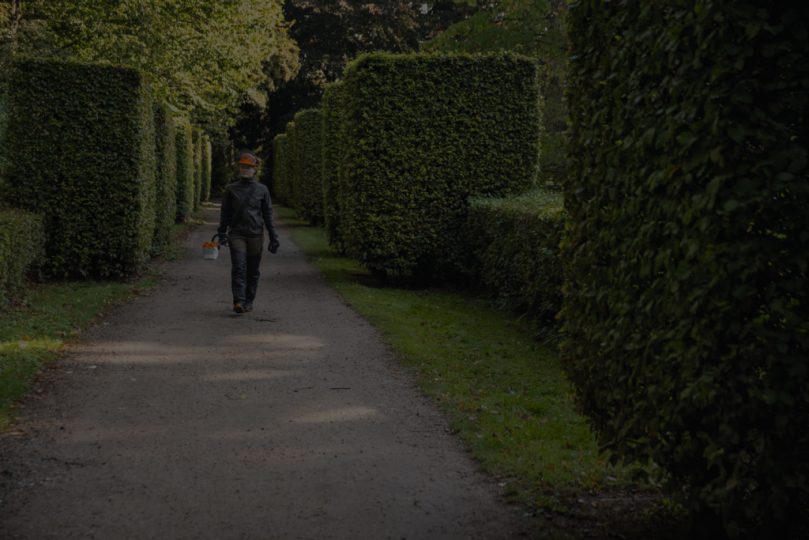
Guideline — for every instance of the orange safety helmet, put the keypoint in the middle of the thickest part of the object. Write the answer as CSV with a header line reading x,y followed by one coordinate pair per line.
x,y
248,159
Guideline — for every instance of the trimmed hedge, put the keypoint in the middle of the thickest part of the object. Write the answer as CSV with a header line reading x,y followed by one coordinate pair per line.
x,y
196,141
221,166
81,148
514,246
422,134
279,168
333,141
687,302
185,171
22,241
207,168
166,159
292,171
309,166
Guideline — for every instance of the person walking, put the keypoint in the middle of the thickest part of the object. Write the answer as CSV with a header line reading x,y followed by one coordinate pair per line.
x,y
246,212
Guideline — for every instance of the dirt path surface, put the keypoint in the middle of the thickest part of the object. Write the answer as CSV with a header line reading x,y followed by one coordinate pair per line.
x,y
175,418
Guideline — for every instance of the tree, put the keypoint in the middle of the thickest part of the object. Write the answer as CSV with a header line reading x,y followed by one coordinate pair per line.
x,y
203,57
329,35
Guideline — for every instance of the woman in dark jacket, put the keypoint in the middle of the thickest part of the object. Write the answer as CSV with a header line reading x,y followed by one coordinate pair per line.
x,y
246,212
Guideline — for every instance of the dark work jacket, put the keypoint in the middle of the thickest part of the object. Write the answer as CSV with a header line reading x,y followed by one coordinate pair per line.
x,y
254,218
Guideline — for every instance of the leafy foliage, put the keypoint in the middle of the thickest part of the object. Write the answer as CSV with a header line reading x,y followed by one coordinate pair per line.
x,y
331,34
202,56
185,170
686,309
166,177
280,174
21,246
82,145
196,143
514,247
422,133
535,28
335,140
309,168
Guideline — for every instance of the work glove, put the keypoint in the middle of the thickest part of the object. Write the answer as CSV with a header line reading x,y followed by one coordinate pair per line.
x,y
223,239
274,245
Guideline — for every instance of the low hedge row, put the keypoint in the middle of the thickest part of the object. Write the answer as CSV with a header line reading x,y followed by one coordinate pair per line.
x,y
22,242
420,134
513,247
686,310
207,167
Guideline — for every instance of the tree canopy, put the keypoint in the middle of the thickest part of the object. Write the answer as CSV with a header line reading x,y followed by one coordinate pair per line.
x,y
203,57
330,34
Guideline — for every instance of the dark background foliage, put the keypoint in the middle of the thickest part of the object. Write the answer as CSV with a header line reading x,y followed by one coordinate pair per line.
x,y
330,34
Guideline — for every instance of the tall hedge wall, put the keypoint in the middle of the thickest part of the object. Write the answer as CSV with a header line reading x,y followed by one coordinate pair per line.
x,y
185,170
309,185
196,141
279,168
81,144
333,141
422,134
292,172
513,244
22,241
207,168
221,166
687,305
166,177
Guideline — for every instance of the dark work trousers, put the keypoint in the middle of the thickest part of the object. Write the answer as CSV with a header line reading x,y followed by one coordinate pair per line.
x,y
245,259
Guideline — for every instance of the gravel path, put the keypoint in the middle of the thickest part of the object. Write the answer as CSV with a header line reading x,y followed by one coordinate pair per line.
x,y
175,418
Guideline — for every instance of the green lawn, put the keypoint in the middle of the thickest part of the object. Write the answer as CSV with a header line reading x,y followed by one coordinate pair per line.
x,y
34,331
505,392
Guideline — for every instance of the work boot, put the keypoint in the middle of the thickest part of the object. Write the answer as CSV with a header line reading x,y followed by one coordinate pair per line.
x,y
247,308
238,308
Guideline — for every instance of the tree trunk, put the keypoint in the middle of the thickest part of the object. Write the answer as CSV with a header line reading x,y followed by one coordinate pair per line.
x,y
16,16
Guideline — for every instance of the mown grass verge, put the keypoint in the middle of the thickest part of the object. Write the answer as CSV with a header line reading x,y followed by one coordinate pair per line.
x,y
34,331
504,392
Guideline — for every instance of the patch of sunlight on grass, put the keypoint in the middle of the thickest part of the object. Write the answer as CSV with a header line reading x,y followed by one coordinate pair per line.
x,y
34,333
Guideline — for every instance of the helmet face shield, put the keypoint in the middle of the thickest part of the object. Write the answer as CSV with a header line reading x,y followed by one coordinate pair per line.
x,y
246,171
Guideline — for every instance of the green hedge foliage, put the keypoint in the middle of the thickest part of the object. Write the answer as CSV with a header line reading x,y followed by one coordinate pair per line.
x,y
166,159
185,171
222,166
81,145
207,168
422,134
308,182
292,170
687,305
22,241
3,126
334,123
514,249
279,169
196,141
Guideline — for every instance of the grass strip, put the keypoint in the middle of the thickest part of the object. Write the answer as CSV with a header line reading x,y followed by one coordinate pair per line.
x,y
34,331
505,393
